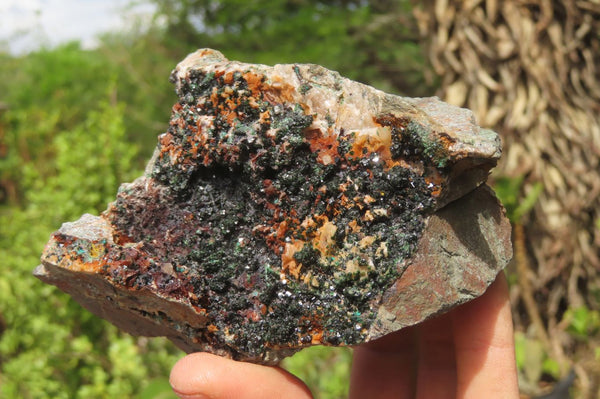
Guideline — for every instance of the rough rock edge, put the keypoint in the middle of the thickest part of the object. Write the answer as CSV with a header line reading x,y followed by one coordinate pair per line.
x,y
483,243
473,151
465,258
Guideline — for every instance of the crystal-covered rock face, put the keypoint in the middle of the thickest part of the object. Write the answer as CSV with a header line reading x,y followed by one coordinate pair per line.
x,y
285,207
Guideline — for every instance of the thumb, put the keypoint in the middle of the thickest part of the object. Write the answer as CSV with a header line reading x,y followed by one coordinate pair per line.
x,y
203,376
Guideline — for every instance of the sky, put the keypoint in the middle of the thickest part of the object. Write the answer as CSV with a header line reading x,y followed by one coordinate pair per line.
x,y
27,24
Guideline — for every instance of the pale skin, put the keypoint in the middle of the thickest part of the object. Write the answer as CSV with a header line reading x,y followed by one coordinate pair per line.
x,y
467,353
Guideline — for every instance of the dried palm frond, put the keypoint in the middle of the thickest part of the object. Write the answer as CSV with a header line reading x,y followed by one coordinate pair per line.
x,y
530,69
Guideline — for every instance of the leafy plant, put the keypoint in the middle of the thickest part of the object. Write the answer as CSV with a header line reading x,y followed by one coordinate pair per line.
x,y
50,346
582,322
508,190
533,360
325,370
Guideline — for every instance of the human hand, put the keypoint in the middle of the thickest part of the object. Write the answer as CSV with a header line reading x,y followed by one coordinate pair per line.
x,y
465,353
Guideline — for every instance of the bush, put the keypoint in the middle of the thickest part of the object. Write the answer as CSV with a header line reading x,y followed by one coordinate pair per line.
x,y
50,346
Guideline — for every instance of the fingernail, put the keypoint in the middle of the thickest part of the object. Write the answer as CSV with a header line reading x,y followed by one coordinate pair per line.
x,y
183,395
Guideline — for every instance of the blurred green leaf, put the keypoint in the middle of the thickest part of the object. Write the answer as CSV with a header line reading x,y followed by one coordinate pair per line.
x,y
582,322
520,344
526,204
508,190
551,367
533,360
324,369
158,388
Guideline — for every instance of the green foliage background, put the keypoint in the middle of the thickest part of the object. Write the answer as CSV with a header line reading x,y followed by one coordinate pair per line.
x,y
76,123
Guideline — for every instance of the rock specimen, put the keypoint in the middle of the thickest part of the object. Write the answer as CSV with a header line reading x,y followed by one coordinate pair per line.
x,y
285,207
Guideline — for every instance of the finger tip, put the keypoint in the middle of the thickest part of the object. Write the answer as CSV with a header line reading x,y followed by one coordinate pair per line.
x,y
188,376
204,375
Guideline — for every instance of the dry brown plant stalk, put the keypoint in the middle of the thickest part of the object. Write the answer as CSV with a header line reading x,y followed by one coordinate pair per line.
x,y
530,70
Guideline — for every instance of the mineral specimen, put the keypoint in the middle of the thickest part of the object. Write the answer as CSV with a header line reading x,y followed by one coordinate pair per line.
x,y
285,207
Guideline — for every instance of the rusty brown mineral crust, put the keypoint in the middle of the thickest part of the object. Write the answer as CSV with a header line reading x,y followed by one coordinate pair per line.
x,y
285,207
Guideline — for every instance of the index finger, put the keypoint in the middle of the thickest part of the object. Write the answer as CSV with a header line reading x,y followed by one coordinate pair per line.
x,y
484,345
386,367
